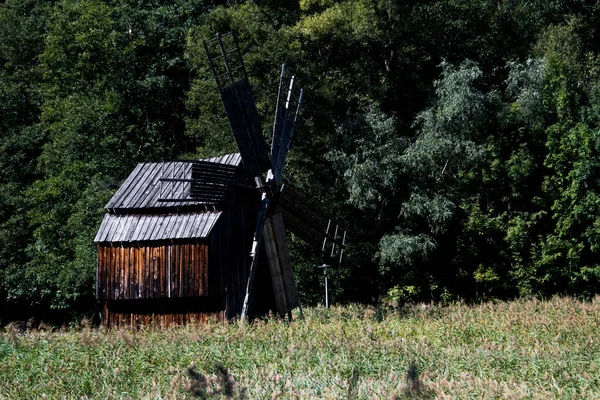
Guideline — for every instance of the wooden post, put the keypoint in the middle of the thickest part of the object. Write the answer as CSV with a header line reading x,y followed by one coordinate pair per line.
x,y
258,236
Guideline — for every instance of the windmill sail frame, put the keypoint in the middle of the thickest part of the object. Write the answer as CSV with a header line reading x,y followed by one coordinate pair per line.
x,y
227,66
239,103
284,123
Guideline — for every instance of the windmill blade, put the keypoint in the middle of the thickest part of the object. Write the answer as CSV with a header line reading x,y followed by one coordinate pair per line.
x,y
312,226
280,265
286,114
300,217
230,76
243,118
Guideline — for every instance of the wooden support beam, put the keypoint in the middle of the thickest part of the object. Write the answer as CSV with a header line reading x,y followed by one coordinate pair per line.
x,y
282,275
275,267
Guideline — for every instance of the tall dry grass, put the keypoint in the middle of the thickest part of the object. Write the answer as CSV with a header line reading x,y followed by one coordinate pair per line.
x,y
522,349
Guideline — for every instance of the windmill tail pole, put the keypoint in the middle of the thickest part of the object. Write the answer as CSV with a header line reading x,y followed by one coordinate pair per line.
x,y
326,291
244,315
262,214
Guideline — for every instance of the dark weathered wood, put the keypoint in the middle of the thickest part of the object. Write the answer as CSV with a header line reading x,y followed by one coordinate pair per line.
x,y
130,270
125,268
243,118
286,112
176,255
206,277
108,265
146,272
126,188
155,272
119,273
147,197
141,190
138,271
134,282
195,271
182,279
186,270
216,172
181,255
285,262
284,286
273,259
143,179
164,284
162,313
144,227
161,282
108,270
115,272
99,275
158,281
192,291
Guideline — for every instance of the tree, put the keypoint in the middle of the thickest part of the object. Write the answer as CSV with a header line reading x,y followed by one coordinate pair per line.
x,y
115,80
22,29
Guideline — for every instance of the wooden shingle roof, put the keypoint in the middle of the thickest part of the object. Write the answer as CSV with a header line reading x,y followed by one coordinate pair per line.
x,y
142,188
145,227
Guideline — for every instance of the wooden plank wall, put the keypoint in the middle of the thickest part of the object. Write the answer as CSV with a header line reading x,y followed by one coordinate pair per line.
x,y
153,270
162,313
231,242
229,253
214,269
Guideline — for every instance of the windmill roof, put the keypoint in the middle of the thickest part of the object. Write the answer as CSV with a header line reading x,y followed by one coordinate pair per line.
x,y
144,227
142,188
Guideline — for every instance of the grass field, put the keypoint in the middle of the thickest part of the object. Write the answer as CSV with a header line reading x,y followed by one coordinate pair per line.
x,y
521,349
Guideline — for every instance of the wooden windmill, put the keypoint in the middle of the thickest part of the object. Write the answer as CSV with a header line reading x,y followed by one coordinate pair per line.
x,y
265,170
196,240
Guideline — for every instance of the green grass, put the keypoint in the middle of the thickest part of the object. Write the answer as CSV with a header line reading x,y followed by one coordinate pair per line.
x,y
521,349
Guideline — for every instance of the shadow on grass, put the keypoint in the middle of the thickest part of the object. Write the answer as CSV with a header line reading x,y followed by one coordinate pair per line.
x,y
221,384
414,387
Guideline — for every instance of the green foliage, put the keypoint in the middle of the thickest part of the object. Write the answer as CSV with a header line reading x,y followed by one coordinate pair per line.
x,y
22,29
370,159
111,93
456,140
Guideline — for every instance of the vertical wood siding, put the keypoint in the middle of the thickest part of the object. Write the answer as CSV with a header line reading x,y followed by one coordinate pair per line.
x,y
231,242
162,313
148,271
169,283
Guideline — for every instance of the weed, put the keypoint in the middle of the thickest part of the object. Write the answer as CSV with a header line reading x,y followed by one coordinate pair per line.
x,y
520,349
353,385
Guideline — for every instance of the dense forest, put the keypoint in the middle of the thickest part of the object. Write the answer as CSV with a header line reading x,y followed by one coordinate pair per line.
x,y
457,140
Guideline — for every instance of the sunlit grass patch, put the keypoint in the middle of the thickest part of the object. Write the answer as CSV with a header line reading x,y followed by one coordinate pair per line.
x,y
519,349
